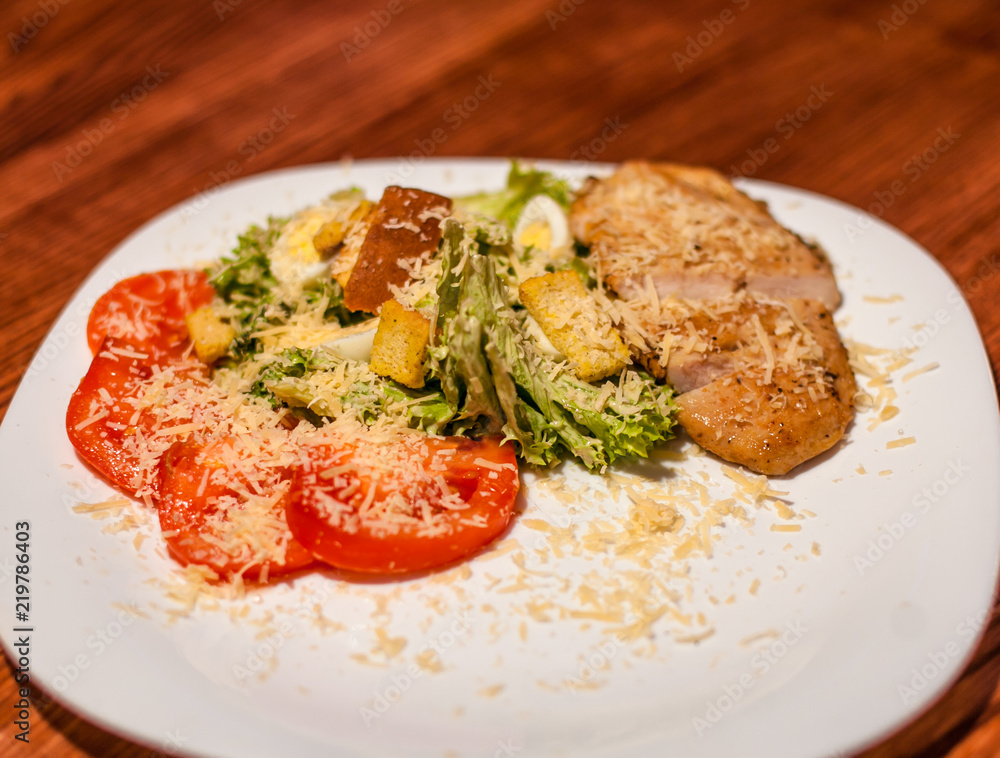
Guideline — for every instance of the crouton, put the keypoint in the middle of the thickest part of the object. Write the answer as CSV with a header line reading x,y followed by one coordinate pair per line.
x,y
405,226
329,238
333,235
399,349
569,317
210,334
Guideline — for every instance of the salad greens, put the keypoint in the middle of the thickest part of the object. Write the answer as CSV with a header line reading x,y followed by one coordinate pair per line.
x,y
302,379
492,375
522,185
245,276
244,282
485,374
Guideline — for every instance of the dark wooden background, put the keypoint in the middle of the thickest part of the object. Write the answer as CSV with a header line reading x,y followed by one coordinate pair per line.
x,y
114,111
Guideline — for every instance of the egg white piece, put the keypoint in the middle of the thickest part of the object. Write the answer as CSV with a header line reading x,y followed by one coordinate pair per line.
x,y
356,343
544,227
534,331
294,259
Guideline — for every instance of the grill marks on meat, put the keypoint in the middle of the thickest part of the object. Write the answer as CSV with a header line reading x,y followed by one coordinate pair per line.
x,y
695,236
735,308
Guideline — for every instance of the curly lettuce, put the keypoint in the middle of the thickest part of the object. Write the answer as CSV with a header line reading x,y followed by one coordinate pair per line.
x,y
493,376
522,185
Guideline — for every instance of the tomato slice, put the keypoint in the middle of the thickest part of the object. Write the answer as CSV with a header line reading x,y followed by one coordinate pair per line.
x,y
148,311
406,506
218,513
103,420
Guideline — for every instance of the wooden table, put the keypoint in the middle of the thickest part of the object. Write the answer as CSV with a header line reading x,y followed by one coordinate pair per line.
x,y
113,112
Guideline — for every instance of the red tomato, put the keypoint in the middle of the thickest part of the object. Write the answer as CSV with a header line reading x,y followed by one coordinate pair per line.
x,y
148,311
214,515
340,490
102,425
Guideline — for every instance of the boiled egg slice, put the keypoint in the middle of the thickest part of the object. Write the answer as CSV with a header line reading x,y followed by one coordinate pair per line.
x,y
535,334
355,343
543,226
294,259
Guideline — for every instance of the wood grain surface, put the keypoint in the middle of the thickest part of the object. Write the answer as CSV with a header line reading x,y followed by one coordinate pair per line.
x,y
113,112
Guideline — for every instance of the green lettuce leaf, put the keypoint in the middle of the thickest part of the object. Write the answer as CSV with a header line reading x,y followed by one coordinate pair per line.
x,y
522,185
292,380
486,366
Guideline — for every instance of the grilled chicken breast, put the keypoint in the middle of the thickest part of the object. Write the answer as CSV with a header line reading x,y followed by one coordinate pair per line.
x,y
734,309
788,394
695,236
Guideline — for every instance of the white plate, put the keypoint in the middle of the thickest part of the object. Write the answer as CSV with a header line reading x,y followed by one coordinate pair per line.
x,y
860,648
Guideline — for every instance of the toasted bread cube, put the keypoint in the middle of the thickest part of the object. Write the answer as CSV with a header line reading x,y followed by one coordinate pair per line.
x,y
568,315
355,229
333,235
210,334
359,214
329,238
405,226
399,349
